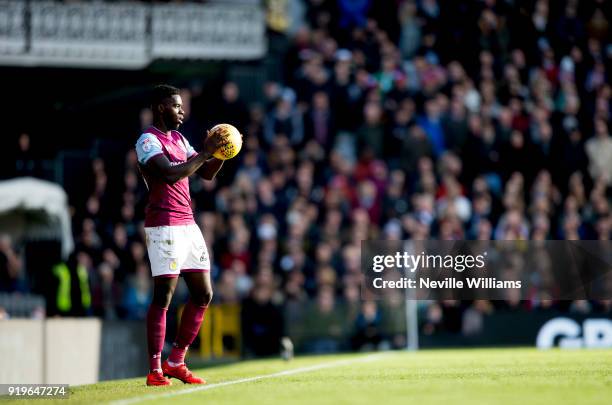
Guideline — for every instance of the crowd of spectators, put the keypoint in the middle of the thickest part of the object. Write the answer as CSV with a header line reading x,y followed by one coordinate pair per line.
x,y
413,119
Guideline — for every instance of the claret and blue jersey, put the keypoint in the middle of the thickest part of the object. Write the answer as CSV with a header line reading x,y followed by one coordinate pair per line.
x,y
169,204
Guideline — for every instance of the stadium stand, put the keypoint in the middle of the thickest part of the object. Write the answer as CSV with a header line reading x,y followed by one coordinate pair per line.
x,y
422,126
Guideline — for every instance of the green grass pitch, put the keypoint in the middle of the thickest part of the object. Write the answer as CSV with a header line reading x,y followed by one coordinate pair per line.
x,y
449,377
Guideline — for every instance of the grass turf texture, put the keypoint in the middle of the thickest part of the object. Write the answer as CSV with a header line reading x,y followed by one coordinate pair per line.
x,y
470,376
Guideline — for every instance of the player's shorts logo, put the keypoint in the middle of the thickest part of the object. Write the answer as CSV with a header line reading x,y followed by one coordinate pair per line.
x,y
173,265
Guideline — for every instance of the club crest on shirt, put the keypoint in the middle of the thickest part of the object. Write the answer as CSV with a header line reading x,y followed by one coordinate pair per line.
x,y
146,145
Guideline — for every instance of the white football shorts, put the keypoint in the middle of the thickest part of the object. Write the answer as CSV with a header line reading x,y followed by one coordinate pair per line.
x,y
176,249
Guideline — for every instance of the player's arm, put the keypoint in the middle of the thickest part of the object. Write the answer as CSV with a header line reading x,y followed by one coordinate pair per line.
x,y
159,165
162,168
210,168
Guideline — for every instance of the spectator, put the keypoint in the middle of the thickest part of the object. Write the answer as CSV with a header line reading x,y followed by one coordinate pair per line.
x,y
231,109
599,151
137,293
324,324
367,327
11,276
262,322
25,160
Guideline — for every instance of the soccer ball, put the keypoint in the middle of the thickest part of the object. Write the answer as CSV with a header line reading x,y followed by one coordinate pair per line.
x,y
234,144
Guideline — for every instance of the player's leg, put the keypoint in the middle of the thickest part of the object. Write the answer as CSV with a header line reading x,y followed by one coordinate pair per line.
x,y
200,295
163,255
196,272
163,289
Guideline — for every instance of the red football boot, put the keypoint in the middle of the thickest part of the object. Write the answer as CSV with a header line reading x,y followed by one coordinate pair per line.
x,y
182,373
157,378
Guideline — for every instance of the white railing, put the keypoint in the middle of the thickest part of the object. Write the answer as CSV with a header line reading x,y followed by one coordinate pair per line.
x,y
12,28
127,34
215,31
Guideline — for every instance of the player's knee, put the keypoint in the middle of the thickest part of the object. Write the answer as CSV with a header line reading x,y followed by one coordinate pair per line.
x,y
208,296
163,295
162,300
203,299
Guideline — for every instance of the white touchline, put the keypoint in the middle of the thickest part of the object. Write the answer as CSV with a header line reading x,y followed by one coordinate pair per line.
x,y
336,363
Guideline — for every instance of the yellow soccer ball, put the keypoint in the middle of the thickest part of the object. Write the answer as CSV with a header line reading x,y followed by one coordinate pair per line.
x,y
234,141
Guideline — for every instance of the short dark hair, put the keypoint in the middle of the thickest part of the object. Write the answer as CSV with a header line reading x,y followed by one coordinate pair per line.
x,y
162,92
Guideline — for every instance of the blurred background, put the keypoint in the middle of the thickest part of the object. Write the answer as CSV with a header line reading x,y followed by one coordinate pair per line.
x,y
363,119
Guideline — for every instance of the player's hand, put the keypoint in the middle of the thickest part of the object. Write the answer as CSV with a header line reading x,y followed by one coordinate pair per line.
x,y
213,141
